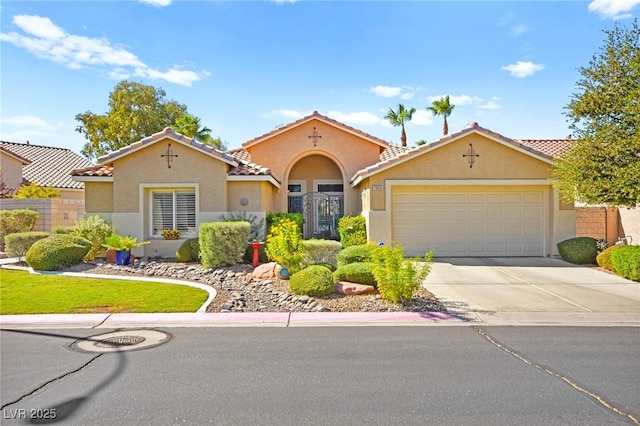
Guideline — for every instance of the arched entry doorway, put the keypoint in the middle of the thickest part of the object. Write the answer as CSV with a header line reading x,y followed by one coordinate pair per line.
x,y
316,189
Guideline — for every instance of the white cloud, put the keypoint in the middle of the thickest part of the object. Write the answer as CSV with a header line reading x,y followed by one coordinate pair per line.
x,y
491,105
157,3
523,69
28,135
48,41
407,96
457,100
386,91
288,113
518,30
421,117
359,118
614,9
22,121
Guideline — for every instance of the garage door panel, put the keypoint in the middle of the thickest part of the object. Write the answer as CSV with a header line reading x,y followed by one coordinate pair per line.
x,y
477,223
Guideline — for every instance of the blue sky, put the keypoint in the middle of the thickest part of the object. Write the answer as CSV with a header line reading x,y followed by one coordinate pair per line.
x,y
247,67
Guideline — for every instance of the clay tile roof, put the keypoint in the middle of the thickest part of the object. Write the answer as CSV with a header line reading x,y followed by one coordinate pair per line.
x,y
50,166
246,168
393,151
102,171
239,154
552,147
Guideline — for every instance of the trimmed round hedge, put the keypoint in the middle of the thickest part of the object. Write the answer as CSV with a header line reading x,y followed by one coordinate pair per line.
x,y
581,250
358,272
57,251
604,258
314,280
353,254
189,250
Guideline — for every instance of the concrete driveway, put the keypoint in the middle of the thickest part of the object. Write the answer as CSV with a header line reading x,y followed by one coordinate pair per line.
x,y
486,287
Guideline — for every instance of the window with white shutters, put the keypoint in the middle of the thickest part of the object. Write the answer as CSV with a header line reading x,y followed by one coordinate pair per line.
x,y
174,210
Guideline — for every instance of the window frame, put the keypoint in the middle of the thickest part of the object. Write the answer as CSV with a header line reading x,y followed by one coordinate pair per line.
x,y
173,190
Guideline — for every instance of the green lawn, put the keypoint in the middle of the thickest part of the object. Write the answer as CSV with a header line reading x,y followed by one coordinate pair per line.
x,y
24,293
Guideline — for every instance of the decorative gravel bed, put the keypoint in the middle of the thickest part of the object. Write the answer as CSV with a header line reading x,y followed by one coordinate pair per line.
x,y
238,291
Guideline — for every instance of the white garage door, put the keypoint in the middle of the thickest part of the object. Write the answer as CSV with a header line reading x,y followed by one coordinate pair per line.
x,y
468,222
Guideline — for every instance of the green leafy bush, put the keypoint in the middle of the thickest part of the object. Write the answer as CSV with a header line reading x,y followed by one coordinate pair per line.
x,y
352,230
398,278
33,190
57,251
320,251
359,253
19,220
358,272
284,244
626,261
189,251
329,266
64,229
274,217
19,243
96,230
223,243
580,250
604,258
314,280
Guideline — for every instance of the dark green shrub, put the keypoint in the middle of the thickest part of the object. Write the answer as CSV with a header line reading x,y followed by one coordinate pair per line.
x,y
352,230
580,251
64,229
329,266
96,230
223,243
313,280
604,258
284,244
19,220
398,278
359,253
57,251
274,217
18,244
320,251
626,261
189,251
358,272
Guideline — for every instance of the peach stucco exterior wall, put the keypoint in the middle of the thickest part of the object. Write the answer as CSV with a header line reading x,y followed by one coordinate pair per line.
x,y
148,167
284,152
496,161
258,194
11,170
98,197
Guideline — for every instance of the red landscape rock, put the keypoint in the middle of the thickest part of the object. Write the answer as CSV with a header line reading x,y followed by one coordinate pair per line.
x,y
347,288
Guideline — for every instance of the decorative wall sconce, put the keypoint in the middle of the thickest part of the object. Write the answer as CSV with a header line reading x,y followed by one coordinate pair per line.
x,y
471,155
315,136
169,155
244,201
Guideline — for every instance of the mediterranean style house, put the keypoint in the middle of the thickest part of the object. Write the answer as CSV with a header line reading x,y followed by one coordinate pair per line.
x,y
470,193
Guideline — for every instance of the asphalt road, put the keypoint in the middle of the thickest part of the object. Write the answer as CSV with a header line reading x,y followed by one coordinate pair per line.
x,y
343,375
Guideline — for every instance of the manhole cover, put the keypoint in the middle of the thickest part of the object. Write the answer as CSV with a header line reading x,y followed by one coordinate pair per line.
x,y
118,341
129,340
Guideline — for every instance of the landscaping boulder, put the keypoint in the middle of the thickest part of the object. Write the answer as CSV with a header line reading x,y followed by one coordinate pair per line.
x,y
347,288
265,271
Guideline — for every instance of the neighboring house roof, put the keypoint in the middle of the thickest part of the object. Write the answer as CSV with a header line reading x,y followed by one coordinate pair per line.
x,y
317,116
393,151
546,151
167,133
47,165
13,155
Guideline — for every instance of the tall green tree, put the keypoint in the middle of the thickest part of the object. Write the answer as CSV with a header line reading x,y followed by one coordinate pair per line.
x,y
190,125
398,118
603,167
444,108
135,111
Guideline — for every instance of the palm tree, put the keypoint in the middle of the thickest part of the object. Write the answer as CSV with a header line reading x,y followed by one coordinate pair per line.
x,y
398,118
189,125
444,108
